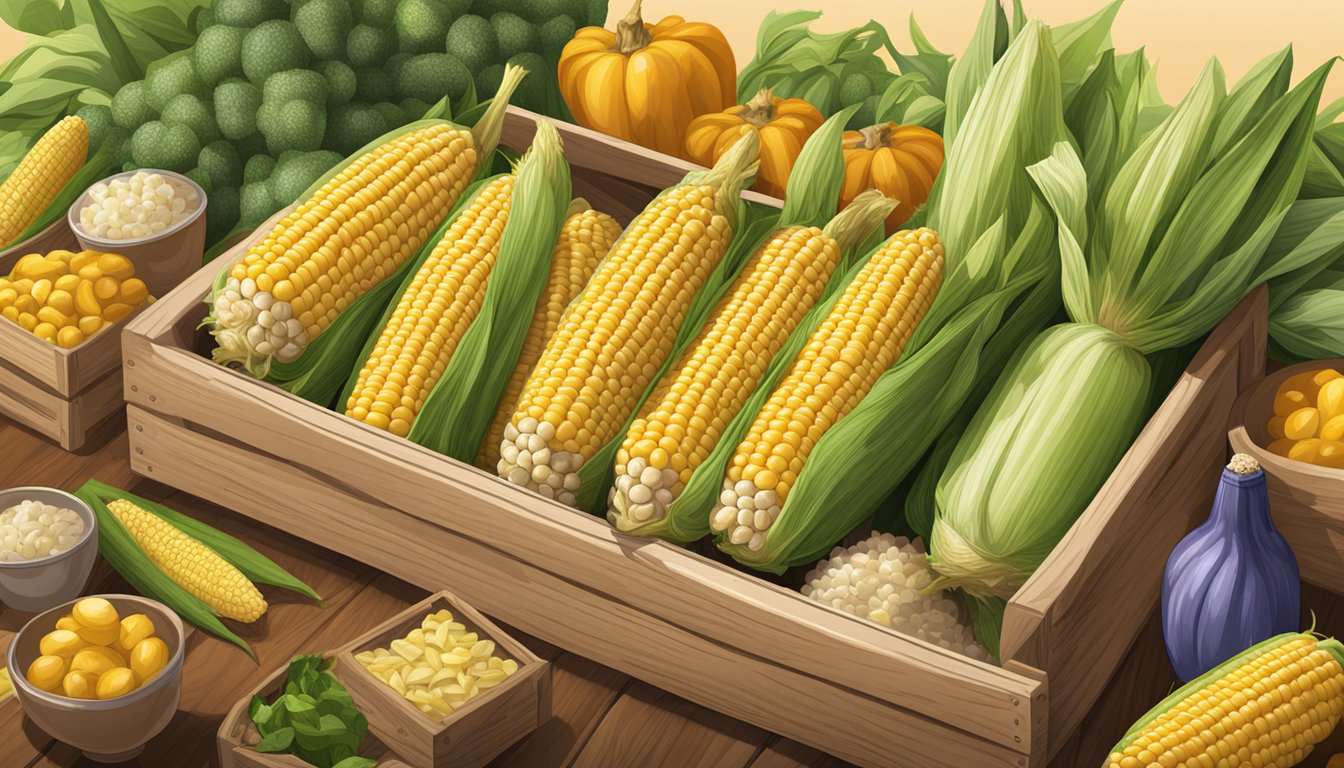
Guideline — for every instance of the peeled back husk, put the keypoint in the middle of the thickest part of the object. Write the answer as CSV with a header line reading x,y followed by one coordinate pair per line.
x,y
1038,451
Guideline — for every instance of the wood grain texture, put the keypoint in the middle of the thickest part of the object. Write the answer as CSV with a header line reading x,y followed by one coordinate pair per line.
x,y
1307,501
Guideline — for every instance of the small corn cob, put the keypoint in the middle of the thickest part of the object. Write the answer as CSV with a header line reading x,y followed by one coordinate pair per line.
x,y
437,307
194,566
585,239
681,423
40,176
621,329
1269,706
857,342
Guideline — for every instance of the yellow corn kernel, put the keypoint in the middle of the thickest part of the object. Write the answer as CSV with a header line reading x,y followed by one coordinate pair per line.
x,y
856,343
90,325
115,312
1333,429
434,312
28,321
1305,450
90,272
134,292
46,672
1302,424
1282,447
10,313
62,256
116,682
1330,453
40,175
80,685
67,283
26,304
95,613
35,266
134,628
116,266
86,301
69,337
40,291
53,316
46,332
96,659
61,301
1276,427
148,657
585,238
1330,400
7,297
60,642
191,564
83,259
105,289
68,622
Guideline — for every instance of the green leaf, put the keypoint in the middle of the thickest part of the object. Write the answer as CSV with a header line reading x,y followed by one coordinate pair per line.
x,y
276,741
1081,42
1063,182
813,193
36,17
972,68
1310,325
1250,98
356,761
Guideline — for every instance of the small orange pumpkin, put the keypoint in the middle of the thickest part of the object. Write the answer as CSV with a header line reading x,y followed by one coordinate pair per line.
x,y
784,126
646,82
900,160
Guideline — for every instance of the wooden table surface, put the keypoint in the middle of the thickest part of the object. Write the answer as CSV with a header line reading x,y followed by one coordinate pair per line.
x,y
602,717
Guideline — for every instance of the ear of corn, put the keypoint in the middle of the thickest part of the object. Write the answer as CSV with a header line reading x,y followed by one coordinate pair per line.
x,y
44,171
585,238
350,234
1269,706
624,326
681,423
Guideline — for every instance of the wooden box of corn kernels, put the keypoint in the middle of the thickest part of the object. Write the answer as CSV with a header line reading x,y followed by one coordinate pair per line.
x,y
63,380
730,640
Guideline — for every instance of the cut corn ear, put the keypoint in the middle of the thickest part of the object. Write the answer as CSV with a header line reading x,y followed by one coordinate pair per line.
x,y
352,233
621,330
44,171
1269,706
681,423
191,564
585,238
862,336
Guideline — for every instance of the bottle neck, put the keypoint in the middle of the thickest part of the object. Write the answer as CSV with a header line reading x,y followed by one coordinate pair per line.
x,y
1242,502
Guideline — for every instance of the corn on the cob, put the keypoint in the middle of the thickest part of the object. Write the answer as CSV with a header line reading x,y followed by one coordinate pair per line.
x,y
621,329
585,238
40,176
859,340
693,404
1268,707
194,566
434,311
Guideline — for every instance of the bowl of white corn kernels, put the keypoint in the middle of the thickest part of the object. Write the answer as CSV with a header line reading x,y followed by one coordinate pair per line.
x,y
154,218
48,543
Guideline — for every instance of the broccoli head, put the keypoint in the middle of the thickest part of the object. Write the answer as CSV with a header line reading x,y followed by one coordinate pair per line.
x,y
221,163
221,212
255,204
202,180
372,84
246,13
168,147
540,11
376,13
324,25
236,105
273,46
488,81
193,113
414,109
296,171
258,168
367,46
340,81
515,35
471,40
98,117
421,25
353,126
302,84
431,76
293,125
392,114
130,106
555,35
534,91
170,78
205,18
218,54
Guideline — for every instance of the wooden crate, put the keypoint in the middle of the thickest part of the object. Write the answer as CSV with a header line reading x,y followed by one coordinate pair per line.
x,y
72,396
699,629
481,729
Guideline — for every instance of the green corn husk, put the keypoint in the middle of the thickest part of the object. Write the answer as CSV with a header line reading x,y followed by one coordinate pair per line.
x,y
457,412
1179,236
1306,306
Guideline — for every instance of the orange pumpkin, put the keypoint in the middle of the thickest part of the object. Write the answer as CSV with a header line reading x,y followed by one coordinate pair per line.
x,y
646,82
784,126
900,160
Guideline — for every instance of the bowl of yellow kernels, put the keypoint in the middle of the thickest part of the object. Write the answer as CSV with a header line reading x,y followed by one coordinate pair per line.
x,y
102,674
65,297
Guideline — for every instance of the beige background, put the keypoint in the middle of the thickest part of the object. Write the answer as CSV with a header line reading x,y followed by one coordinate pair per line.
x,y
1180,34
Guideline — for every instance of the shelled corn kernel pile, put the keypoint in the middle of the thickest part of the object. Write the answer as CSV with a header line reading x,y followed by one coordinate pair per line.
x,y
1308,422
65,297
95,654
439,666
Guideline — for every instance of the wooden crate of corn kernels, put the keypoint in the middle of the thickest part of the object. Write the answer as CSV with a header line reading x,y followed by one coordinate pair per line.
x,y
72,396
720,637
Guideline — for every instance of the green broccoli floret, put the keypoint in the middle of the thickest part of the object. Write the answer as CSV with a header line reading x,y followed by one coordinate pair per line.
x,y
130,107
303,84
168,147
533,92
221,212
471,40
431,76
514,34
488,8
340,81
324,25
297,124
117,140
193,113
456,8
596,15
540,11
258,168
256,204
296,171
372,84
392,114
376,13
172,78
367,46
855,88
251,146
98,118
236,105
247,13
394,64
421,25
488,81
274,46
414,109
218,54
205,18
220,161
126,152
353,126
555,34
201,178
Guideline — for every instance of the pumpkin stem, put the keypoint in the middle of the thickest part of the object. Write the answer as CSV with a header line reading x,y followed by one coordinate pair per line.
x,y
761,109
876,136
630,32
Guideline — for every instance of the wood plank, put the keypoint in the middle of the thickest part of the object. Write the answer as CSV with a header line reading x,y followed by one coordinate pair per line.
x,y
783,753
650,727
584,691
549,606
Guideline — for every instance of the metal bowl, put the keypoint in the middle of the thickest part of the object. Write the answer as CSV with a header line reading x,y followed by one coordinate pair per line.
x,y
108,731
36,585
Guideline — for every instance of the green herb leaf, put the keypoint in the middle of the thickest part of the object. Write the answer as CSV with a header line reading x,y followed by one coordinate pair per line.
x,y
276,741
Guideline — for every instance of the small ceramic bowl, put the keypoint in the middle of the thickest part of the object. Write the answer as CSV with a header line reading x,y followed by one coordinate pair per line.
x,y
36,585
114,730
163,259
